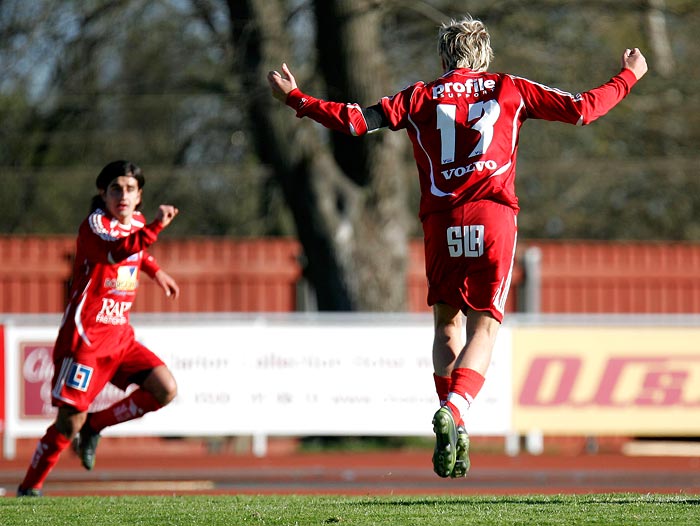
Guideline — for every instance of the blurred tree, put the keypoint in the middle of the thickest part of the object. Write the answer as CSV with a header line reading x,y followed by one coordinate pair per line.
x,y
88,82
179,87
348,198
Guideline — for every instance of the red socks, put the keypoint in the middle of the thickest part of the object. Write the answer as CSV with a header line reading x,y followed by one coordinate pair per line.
x,y
442,387
466,384
48,450
133,406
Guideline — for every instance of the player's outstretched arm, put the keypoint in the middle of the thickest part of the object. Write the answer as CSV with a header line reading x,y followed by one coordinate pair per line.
x,y
350,119
633,60
281,84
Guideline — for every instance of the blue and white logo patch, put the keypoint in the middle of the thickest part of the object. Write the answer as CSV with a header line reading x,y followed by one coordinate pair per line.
x,y
79,376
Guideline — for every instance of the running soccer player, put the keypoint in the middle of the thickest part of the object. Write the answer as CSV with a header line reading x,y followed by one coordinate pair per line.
x,y
95,342
464,128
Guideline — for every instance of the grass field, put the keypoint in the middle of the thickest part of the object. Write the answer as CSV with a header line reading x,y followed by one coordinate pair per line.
x,y
610,509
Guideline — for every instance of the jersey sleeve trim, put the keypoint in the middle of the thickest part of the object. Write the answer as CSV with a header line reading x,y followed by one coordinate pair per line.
x,y
104,244
99,224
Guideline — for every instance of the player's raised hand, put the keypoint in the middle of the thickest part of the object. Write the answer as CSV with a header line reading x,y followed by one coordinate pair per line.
x,y
281,84
166,213
633,60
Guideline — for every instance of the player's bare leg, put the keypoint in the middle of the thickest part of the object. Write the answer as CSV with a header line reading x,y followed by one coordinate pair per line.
x,y
57,438
468,377
69,421
482,330
467,364
448,343
156,390
161,384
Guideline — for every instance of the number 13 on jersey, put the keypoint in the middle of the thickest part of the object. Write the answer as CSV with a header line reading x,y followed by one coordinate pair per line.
x,y
486,112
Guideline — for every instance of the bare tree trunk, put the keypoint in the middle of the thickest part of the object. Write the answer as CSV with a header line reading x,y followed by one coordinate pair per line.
x,y
659,39
347,198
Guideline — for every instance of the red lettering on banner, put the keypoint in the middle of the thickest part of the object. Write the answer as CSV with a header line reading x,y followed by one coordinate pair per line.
x,y
530,395
663,388
658,382
37,371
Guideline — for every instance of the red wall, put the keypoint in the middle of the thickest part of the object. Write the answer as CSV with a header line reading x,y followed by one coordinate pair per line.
x,y
262,275
214,275
596,277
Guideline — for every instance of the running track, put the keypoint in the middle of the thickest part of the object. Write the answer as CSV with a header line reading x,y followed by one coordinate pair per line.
x,y
159,467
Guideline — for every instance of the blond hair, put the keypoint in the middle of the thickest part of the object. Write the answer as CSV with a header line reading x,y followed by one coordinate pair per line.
x,y
465,44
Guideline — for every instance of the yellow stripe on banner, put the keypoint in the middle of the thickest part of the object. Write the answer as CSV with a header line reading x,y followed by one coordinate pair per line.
x,y
607,380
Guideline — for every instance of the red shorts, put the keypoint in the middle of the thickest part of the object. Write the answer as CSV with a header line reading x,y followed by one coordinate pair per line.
x,y
80,375
469,253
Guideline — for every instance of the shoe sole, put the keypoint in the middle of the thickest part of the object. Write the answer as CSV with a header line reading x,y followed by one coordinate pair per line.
x,y
31,493
462,463
445,453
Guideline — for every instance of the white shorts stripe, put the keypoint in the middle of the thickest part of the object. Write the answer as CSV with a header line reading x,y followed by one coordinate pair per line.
x,y
61,380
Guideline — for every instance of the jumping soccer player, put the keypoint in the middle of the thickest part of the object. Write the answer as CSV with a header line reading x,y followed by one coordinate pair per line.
x,y
95,342
464,128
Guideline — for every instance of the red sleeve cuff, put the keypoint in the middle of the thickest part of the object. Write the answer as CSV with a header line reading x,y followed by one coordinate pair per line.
x,y
628,76
150,266
297,100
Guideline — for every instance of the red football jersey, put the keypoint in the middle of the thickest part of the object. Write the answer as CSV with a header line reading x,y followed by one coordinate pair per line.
x,y
464,128
108,260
